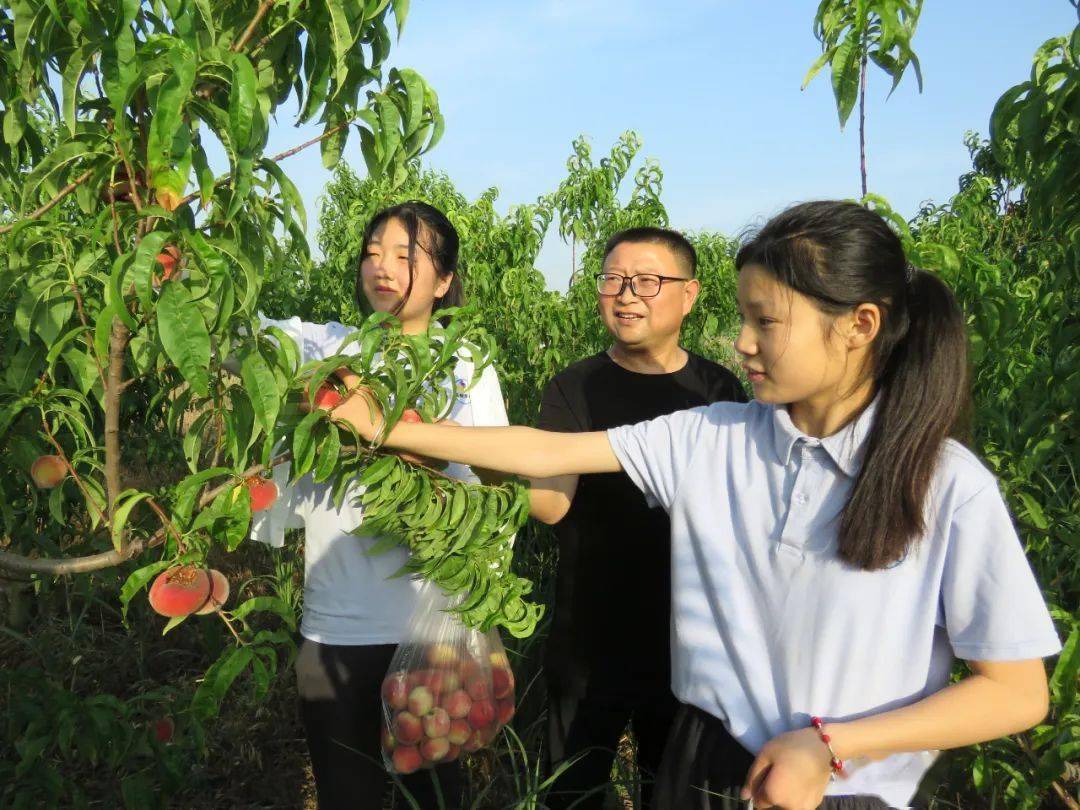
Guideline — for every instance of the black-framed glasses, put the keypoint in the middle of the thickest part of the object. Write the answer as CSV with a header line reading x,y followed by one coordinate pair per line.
x,y
643,285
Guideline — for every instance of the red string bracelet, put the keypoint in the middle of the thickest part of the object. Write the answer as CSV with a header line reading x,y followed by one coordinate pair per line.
x,y
835,762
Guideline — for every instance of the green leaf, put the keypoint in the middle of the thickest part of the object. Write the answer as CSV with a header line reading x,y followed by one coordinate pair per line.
x,y
332,146
187,492
261,387
303,444
1063,683
242,100
137,580
845,76
815,68
329,455
167,120
341,37
72,76
174,622
207,700
290,196
14,125
126,501
401,12
184,335
271,604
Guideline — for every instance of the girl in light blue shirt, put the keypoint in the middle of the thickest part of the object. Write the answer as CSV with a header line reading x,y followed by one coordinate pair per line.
x,y
834,548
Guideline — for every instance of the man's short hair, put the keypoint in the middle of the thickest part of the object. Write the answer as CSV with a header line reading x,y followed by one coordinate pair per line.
x,y
674,241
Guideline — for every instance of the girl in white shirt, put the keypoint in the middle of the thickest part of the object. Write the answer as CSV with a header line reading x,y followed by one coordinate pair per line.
x,y
834,550
354,616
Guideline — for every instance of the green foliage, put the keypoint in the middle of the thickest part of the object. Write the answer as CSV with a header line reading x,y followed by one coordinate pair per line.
x,y
53,733
852,31
1035,133
459,534
117,361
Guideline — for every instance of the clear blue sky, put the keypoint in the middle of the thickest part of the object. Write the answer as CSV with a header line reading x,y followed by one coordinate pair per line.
x,y
712,86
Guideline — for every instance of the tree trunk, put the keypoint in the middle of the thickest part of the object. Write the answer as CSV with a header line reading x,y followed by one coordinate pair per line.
x,y
862,118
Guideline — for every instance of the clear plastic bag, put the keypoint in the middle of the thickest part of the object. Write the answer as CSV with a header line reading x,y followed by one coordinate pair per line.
x,y
449,688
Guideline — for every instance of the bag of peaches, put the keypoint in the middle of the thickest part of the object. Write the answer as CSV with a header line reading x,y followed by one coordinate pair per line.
x,y
449,688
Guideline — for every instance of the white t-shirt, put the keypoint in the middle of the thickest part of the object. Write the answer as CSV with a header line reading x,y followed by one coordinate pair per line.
x,y
348,598
769,627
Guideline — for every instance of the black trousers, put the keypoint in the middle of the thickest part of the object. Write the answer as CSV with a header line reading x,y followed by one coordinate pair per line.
x,y
591,727
704,768
341,710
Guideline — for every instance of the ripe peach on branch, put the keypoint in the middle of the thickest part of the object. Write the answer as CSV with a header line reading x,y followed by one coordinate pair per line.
x,y
48,471
263,492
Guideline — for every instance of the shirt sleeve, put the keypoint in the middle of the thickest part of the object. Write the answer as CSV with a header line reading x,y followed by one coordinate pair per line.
x,y
656,454
993,608
555,411
287,512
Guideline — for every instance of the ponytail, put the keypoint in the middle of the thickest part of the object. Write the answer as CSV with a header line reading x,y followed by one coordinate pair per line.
x,y
923,401
840,255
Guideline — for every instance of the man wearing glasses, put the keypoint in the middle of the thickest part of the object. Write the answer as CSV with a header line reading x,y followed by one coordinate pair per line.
x,y
608,659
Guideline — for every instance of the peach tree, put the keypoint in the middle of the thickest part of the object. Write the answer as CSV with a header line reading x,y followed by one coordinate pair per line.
x,y
141,407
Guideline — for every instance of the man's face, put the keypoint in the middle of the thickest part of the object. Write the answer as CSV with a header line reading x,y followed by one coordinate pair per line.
x,y
653,322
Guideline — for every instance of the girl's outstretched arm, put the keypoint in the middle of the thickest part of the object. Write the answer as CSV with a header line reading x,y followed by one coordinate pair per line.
x,y
518,450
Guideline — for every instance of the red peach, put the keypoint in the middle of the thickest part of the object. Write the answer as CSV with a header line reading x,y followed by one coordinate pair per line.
x,y
475,742
219,593
442,655
420,701
457,704
453,753
469,669
48,471
504,711
263,492
502,682
437,724
435,749
411,415
407,729
419,677
163,729
460,731
180,591
395,690
168,258
499,659
478,687
481,713
327,397
407,759
443,681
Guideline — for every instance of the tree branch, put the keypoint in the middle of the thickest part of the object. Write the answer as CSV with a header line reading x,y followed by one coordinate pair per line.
x,y
39,212
74,565
249,32
276,158
12,562
118,341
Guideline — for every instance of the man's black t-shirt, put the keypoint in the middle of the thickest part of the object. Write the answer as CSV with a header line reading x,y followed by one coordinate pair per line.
x,y
612,621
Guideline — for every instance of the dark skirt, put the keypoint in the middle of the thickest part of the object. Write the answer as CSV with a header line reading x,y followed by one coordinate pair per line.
x,y
704,768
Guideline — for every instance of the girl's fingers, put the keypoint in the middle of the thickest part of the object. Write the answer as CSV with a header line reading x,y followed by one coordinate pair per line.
x,y
755,778
349,377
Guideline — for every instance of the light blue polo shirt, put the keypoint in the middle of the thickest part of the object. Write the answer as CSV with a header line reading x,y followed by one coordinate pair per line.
x,y
770,627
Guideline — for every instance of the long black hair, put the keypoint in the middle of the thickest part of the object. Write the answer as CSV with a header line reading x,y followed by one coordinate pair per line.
x,y
430,231
840,255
